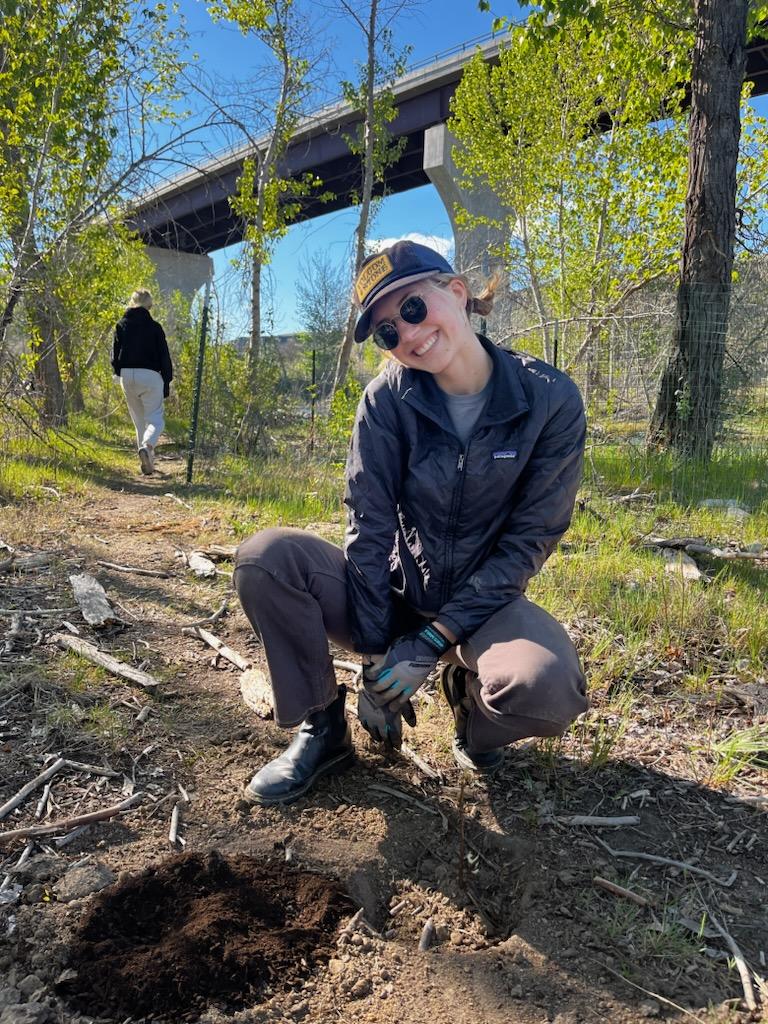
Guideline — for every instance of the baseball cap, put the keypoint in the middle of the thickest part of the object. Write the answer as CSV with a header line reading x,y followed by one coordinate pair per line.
x,y
390,269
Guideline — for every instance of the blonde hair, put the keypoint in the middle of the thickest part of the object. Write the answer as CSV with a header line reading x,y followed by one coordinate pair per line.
x,y
141,297
481,304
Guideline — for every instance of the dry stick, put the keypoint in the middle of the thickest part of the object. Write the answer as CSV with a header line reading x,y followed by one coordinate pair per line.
x,y
94,769
137,572
619,890
348,666
25,854
590,819
24,792
741,964
420,763
43,801
647,991
117,668
67,823
218,645
462,884
210,619
37,611
411,800
173,832
726,883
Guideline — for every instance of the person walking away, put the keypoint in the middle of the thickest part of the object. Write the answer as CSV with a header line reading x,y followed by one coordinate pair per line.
x,y
141,360
461,478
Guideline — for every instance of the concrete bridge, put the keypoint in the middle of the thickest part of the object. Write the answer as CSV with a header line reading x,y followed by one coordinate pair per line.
x,y
188,217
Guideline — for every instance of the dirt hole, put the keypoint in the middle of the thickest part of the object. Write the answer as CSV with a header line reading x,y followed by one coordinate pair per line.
x,y
199,929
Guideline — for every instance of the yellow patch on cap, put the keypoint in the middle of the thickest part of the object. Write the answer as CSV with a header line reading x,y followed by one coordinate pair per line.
x,y
371,274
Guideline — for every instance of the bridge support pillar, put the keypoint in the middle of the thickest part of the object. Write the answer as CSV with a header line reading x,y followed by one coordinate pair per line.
x,y
185,272
473,245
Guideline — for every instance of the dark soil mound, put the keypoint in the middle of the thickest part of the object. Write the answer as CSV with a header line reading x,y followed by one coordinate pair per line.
x,y
202,928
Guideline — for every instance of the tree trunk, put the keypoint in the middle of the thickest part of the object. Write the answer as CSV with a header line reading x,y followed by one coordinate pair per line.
x,y
254,342
342,366
688,407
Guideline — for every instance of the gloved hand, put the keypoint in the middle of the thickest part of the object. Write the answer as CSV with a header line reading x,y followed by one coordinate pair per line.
x,y
405,666
380,723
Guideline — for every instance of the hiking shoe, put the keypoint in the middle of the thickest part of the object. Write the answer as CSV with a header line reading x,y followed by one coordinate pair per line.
x,y
322,746
145,458
453,684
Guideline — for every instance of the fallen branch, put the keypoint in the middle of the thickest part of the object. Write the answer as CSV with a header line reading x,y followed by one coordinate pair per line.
x,y
741,964
619,890
218,645
173,832
420,763
106,661
684,865
93,769
38,780
68,823
137,572
211,618
597,821
411,800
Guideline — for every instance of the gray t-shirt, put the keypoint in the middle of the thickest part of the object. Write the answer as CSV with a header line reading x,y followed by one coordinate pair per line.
x,y
465,410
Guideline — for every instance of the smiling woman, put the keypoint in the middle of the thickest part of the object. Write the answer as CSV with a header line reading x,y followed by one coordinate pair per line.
x,y
461,478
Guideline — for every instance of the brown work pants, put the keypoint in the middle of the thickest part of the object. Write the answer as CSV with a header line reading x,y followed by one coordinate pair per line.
x,y
292,585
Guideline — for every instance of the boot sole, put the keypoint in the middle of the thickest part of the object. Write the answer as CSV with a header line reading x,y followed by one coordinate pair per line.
x,y
146,462
333,767
463,760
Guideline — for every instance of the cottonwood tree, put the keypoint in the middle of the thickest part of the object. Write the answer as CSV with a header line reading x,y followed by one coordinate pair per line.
x,y
372,95
688,409
265,198
592,184
80,84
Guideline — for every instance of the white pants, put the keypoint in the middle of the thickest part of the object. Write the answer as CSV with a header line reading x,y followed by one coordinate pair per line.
x,y
143,390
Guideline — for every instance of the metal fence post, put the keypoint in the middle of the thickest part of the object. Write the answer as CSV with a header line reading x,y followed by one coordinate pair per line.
x,y
198,380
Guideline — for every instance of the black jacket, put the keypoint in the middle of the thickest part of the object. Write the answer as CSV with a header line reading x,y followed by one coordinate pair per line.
x,y
456,530
140,344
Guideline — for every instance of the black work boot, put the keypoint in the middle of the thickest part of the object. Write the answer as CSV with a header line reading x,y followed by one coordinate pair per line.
x,y
322,745
453,683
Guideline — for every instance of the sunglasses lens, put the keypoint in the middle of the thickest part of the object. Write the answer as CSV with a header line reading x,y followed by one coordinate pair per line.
x,y
386,336
414,310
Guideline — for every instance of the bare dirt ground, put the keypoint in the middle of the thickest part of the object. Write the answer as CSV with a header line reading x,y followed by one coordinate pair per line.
x,y
503,869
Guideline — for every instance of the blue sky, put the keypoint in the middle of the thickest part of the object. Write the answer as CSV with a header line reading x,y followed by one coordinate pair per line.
x,y
430,27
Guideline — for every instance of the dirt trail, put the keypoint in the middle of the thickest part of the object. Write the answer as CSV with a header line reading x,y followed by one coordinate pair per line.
x,y
521,933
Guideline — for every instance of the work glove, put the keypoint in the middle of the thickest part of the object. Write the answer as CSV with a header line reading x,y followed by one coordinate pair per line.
x,y
383,725
404,667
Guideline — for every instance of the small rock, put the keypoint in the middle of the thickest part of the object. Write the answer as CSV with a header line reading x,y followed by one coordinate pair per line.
x,y
26,1013
30,985
335,966
650,1008
569,953
361,988
83,880
299,1010
516,991
566,1018
33,893
9,996
40,868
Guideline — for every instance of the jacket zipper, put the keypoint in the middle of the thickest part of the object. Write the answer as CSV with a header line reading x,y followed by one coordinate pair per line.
x,y
452,520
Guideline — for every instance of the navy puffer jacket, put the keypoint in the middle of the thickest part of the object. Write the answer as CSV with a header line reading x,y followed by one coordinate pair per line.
x,y
140,343
457,531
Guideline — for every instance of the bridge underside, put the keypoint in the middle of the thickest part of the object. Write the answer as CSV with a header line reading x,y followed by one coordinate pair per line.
x,y
198,218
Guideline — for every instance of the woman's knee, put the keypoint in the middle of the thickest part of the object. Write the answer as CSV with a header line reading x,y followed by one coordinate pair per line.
x,y
547,687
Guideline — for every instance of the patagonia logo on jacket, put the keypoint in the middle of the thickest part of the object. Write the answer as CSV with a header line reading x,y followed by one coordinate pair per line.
x,y
509,453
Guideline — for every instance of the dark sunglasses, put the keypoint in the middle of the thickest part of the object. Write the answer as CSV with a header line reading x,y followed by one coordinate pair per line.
x,y
412,311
